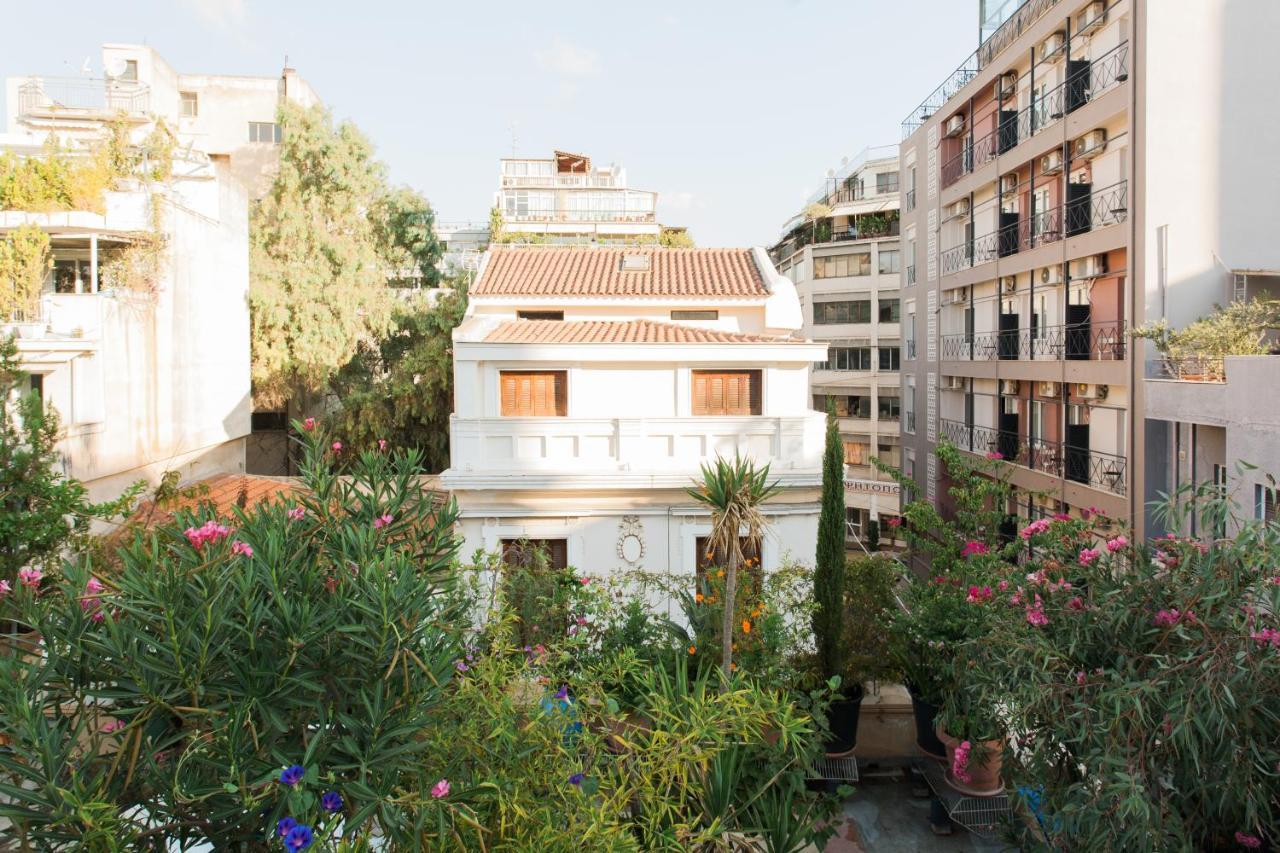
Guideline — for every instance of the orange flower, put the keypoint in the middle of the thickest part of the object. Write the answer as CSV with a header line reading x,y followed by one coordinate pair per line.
x,y
693,650
720,573
746,626
709,554
699,598
732,667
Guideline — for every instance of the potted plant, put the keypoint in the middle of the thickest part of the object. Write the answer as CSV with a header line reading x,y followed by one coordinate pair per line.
x,y
974,749
25,260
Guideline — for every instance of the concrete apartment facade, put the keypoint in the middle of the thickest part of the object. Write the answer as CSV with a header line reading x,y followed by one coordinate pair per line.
x,y
565,199
1070,181
216,114
843,253
592,383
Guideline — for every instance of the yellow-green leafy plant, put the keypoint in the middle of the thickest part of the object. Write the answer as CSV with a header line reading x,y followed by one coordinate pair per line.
x,y
24,261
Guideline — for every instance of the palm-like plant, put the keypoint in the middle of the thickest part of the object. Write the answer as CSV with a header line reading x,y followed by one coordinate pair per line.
x,y
734,491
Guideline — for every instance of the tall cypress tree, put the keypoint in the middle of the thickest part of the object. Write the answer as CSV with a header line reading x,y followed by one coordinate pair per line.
x,y
828,575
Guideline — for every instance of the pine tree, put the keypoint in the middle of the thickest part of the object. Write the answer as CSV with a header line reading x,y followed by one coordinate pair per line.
x,y
829,565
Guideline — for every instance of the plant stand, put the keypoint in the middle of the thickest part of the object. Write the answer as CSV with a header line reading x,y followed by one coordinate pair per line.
x,y
979,815
839,768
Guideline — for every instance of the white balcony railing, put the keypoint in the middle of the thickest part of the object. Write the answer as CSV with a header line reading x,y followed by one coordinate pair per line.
x,y
632,445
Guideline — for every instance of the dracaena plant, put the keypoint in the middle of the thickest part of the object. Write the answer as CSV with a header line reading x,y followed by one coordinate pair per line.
x,y
170,690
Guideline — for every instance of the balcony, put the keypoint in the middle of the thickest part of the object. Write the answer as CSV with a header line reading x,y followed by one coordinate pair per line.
x,y
1103,341
1082,85
560,182
1193,368
582,216
1093,468
668,448
78,97
1091,209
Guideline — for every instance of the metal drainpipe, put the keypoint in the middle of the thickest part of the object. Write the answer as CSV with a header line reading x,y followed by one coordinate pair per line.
x,y
1135,500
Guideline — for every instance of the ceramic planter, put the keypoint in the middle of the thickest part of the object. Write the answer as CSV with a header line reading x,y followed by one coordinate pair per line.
x,y
983,768
843,719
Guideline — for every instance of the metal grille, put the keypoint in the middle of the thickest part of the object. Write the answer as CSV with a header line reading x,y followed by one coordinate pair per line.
x,y
980,815
841,769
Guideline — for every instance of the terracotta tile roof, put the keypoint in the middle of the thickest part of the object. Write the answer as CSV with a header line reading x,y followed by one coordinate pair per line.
x,y
598,271
222,492
618,332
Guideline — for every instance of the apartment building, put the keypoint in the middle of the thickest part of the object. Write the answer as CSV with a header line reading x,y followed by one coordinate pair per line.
x,y
591,383
1092,166
843,252
147,374
217,114
565,199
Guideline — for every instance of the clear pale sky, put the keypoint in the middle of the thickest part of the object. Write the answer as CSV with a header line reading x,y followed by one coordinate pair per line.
x,y
733,112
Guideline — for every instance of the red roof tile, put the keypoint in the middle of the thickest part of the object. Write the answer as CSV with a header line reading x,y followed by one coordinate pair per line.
x,y
221,492
598,271
618,332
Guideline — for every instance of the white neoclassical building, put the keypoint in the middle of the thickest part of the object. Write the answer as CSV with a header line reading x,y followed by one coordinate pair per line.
x,y
591,384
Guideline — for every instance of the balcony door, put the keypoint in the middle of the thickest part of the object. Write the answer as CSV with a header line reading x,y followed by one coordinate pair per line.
x,y
1078,331
1076,451
1007,440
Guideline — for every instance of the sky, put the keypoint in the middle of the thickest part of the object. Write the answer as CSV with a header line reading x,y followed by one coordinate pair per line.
x,y
732,112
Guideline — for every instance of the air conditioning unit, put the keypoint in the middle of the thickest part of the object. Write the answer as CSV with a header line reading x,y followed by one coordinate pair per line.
x,y
1009,387
1053,45
1048,390
958,208
957,296
1050,275
1007,86
1091,267
1008,284
1008,183
1051,163
1091,144
1089,391
954,126
953,383
1093,16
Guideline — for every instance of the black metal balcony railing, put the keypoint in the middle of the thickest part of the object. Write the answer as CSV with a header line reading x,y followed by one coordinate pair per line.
x,y
1081,86
1095,209
956,81
1103,341
83,95
1094,468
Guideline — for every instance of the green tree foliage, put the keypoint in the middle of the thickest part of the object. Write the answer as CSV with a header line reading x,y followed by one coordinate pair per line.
x,y
1241,328
318,284
41,511
404,229
400,387
828,574
25,259
675,238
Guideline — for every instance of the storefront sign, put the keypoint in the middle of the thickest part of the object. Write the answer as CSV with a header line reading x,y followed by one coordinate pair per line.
x,y
871,487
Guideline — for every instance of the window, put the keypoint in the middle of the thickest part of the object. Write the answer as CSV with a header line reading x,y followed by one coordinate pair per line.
x,y
888,408
890,358
888,309
534,393
130,71
851,311
1265,503
539,315
890,261
856,452
887,182
37,385
846,358
190,107
840,266
695,315
264,131
726,392
856,406
521,552
889,455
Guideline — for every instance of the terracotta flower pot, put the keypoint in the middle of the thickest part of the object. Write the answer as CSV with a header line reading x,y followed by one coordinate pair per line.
x,y
982,768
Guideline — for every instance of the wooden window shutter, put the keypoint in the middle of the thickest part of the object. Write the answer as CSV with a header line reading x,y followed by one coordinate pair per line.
x,y
530,393
727,392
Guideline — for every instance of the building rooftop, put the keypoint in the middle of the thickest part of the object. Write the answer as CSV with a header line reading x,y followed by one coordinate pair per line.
x,y
620,332
643,272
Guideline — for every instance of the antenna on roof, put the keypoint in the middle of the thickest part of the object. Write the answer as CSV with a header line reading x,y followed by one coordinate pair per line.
x,y
511,128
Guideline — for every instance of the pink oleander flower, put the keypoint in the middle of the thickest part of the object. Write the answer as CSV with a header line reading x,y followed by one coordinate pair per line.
x,y
960,762
1167,618
977,596
973,548
1116,544
30,577
1244,839
210,531
897,522
1040,525
309,424
1061,516
995,455
1081,678
1037,577
1267,637
382,444
297,513
1003,585
1035,613
111,725
382,521
440,790
243,548
1275,581
584,581
5,588
336,446
1076,603
94,586
1088,555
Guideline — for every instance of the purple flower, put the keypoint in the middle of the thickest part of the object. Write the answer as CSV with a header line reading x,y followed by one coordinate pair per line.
x,y
299,838
292,775
284,825
331,801
563,692
576,779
